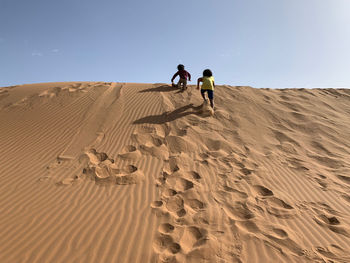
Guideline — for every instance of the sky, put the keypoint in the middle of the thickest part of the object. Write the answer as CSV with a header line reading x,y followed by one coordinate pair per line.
x,y
260,43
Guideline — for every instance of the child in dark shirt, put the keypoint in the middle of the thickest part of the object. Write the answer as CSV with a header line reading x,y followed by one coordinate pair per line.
x,y
184,75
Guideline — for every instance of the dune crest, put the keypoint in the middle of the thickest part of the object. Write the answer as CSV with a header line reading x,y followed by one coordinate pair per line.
x,y
123,172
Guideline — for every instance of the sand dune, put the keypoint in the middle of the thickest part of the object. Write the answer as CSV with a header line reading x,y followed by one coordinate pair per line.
x,y
123,172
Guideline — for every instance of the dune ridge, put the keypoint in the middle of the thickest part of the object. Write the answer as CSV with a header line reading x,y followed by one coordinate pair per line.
x,y
127,172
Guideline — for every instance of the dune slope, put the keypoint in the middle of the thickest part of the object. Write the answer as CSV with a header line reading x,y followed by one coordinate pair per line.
x,y
123,172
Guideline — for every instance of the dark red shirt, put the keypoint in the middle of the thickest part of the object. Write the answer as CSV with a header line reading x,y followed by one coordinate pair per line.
x,y
183,75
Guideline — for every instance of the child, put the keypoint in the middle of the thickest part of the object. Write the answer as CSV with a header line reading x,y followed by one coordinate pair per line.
x,y
184,75
207,86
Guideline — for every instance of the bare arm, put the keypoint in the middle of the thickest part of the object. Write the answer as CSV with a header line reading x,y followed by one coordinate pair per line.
x,y
214,84
172,79
198,81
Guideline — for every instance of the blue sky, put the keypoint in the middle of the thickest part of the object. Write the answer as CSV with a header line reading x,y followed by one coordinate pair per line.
x,y
261,43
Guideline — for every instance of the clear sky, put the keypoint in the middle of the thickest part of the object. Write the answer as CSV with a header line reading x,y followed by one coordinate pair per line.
x,y
261,43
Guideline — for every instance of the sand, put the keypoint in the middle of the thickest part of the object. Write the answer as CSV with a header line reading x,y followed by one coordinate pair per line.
x,y
123,172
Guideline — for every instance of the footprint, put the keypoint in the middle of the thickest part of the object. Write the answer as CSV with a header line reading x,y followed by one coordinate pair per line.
x,y
103,174
322,183
160,152
279,208
280,203
132,178
195,204
130,152
287,243
101,168
280,233
215,145
162,242
177,144
97,157
192,237
331,220
344,178
166,228
195,175
239,211
173,164
204,155
147,139
263,191
169,192
332,223
179,184
174,248
246,171
130,169
67,181
156,204
175,204
239,194
165,243
181,213
60,160
179,130
332,252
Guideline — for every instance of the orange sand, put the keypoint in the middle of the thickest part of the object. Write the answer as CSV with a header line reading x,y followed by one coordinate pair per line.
x,y
122,172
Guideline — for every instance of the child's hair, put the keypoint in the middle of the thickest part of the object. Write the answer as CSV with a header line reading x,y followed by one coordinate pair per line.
x,y
207,73
180,67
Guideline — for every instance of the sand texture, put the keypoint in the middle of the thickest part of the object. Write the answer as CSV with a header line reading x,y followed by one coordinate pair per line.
x,y
123,172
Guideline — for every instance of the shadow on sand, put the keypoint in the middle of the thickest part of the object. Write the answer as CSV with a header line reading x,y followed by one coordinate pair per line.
x,y
163,88
169,116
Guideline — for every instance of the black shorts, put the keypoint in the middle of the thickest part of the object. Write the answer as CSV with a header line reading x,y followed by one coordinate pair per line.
x,y
210,93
